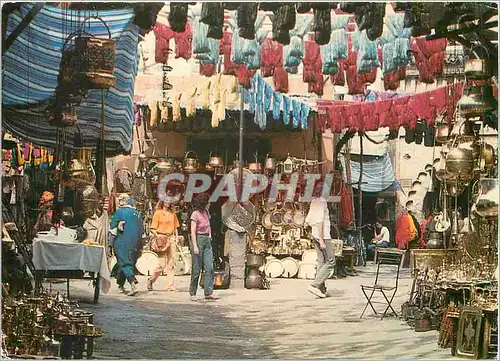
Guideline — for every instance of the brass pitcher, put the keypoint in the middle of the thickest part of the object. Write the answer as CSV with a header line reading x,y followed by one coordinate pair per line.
x,y
486,204
80,168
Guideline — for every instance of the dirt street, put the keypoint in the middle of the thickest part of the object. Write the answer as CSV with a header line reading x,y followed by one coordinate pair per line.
x,y
283,322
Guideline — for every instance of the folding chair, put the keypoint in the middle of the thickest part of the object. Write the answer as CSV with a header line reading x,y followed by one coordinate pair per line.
x,y
387,291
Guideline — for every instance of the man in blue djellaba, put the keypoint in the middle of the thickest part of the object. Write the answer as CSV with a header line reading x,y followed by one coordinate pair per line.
x,y
126,241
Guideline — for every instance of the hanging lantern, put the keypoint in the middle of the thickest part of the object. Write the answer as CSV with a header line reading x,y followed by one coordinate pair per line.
x,y
288,165
476,101
476,68
80,168
97,59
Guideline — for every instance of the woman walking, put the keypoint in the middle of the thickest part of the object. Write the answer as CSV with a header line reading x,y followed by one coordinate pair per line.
x,y
164,230
201,248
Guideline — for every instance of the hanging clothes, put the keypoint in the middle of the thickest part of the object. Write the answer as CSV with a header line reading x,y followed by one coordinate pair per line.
x,y
277,98
191,102
221,111
229,66
183,43
176,107
280,79
304,115
163,34
204,93
268,97
154,111
296,108
163,112
272,57
233,94
312,62
286,110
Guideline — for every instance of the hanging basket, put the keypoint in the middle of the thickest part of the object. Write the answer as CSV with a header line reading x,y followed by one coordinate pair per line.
x,y
97,59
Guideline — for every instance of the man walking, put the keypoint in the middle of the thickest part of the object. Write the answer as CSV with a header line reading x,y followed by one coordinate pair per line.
x,y
319,220
126,235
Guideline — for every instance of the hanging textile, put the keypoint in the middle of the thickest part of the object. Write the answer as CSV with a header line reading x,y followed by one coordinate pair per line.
x,y
183,43
429,58
163,34
405,230
272,57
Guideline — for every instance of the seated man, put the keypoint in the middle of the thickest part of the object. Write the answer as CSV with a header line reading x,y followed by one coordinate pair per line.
x,y
381,238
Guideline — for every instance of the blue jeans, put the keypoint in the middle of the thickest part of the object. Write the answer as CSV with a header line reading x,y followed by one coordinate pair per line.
x,y
370,249
205,257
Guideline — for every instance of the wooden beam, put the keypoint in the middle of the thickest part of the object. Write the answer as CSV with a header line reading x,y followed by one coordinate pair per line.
x,y
23,25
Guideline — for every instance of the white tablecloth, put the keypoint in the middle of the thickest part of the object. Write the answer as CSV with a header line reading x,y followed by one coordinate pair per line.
x,y
49,255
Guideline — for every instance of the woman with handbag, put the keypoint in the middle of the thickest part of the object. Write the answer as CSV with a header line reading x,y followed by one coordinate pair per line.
x,y
163,242
201,248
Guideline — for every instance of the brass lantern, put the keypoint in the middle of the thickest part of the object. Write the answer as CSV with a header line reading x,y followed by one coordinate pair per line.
x,y
476,101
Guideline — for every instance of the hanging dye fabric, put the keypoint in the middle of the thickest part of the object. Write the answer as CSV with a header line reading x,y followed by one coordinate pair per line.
x,y
176,107
294,52
201,43
221,111
272,57
322,26
229,66
395,41
283,20
246,16
212,14
237,43
312,61
286,110
280,79
163,34
233,94
268,96
296,108
204,92
277,98
177,16
153,106
190,102
304,115
183,43
367,52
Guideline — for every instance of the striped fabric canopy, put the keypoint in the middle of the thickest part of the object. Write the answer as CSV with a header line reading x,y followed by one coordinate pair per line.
x,y
31,67
378,174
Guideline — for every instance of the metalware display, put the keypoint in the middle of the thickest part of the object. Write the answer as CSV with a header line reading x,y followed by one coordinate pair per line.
x,y
486,204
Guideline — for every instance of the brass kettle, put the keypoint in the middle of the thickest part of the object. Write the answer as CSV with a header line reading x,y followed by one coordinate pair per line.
x,y
215,161
190,164
270,163
166,165
486,156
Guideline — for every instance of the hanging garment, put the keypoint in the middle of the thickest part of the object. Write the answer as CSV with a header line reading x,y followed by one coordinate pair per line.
x,y
229,66
191,102
317,86
215,115
339,77
201,42
286,109
183,43
245,76
212,14
304,115
280,79
163,34
337,118
322,26
204,92
370,117
429,58
154,119
163,112
283,20
221,110
268,97
321,119
312,62
208,69
176,107
272,57
296,108
177,16
246,16
233,94
277,98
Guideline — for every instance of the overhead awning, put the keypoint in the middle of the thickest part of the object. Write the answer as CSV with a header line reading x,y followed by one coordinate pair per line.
x,y
378,174
31,66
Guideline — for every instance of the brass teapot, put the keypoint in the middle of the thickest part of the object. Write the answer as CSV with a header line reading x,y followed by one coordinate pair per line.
x,y
215,161
460,162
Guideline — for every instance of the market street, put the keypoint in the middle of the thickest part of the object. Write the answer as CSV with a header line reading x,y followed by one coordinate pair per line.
x,y
283,322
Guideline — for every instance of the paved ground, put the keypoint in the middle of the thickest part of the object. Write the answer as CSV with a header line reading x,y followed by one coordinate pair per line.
x,y
283,322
